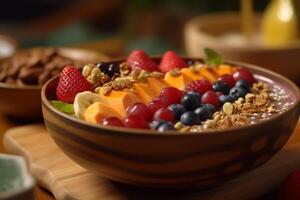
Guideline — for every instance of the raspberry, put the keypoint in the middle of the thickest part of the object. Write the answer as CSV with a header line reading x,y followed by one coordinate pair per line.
x,y
210,97
135,121
111,121
244,74
171,60
163,114
138,59
170,95
139,109
199,86
71,82
227,79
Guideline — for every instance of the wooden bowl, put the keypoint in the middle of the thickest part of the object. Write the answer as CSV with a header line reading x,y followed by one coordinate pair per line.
x,y
25,101
205,31
145,158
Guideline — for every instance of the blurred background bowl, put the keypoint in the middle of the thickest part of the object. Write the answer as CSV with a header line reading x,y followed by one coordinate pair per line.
x,y
145,158
8,46
206,31
25,101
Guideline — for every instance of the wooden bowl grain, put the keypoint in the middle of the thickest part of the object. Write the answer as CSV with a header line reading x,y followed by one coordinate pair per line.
x,y
172,159
204,31
25,101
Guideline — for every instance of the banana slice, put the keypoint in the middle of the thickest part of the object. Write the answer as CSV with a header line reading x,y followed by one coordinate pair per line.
x,y
84,100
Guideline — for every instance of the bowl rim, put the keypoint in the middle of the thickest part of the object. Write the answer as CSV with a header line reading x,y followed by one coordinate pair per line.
x,y
194,25
147,132
59,48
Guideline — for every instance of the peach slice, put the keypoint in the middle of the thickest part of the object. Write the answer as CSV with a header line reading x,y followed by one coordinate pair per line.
x,y
97,111
119,100
178,82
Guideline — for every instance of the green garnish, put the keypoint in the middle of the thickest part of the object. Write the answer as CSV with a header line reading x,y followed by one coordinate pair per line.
x,y
63,107
212,59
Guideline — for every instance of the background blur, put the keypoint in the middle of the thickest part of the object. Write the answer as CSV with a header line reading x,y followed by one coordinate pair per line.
x,y
153,25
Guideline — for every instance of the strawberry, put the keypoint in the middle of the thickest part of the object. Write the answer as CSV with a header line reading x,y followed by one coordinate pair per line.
x,y
71,82
200,86
291,187
138,59
171,60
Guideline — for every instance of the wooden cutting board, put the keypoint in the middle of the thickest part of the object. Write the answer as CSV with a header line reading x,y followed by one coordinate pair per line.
x,y
67,180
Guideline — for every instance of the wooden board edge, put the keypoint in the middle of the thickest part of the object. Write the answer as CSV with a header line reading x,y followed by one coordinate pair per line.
x,y
48,182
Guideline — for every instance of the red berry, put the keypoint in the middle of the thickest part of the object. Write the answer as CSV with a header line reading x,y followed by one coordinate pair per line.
x,y
164,114
170,95
219,94
136,121
139,109
227,79
138,59
171,60
199,86
291,187
71,82
154,105
244,74
111,121
210,97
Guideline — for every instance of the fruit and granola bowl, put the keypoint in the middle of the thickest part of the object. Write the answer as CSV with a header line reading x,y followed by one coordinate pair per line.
x,y
170,121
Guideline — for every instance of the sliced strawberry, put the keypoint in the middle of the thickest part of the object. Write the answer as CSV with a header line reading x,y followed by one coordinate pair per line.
x,y
71,82
138,59
291,187
171,60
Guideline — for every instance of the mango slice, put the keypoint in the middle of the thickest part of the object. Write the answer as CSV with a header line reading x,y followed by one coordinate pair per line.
x,y
178,82
157,84
144,92
119,100
225,69
191,74
97,111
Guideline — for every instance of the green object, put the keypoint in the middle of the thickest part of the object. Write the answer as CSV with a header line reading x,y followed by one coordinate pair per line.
x,y
212,58
11,176
63,107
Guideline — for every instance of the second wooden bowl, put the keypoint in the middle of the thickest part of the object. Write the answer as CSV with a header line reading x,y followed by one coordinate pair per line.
x,y
25,101
205,31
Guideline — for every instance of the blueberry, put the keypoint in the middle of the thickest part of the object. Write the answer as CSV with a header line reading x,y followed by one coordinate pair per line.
x,y
189,118
165,126
237,92
226,98
156,123
205,112
191,100
113,69
243,84
109,68
221,86
177,110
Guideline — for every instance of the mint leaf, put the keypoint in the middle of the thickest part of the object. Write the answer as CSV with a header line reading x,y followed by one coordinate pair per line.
x,y
212,58
63,107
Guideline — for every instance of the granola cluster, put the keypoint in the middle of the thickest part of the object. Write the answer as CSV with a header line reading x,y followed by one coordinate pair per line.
x,y
126,82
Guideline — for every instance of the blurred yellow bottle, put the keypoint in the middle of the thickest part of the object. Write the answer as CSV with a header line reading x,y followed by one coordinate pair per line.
x,y
279,24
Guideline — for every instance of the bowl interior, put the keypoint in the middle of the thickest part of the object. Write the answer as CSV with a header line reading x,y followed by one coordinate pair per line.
x,y
48,93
